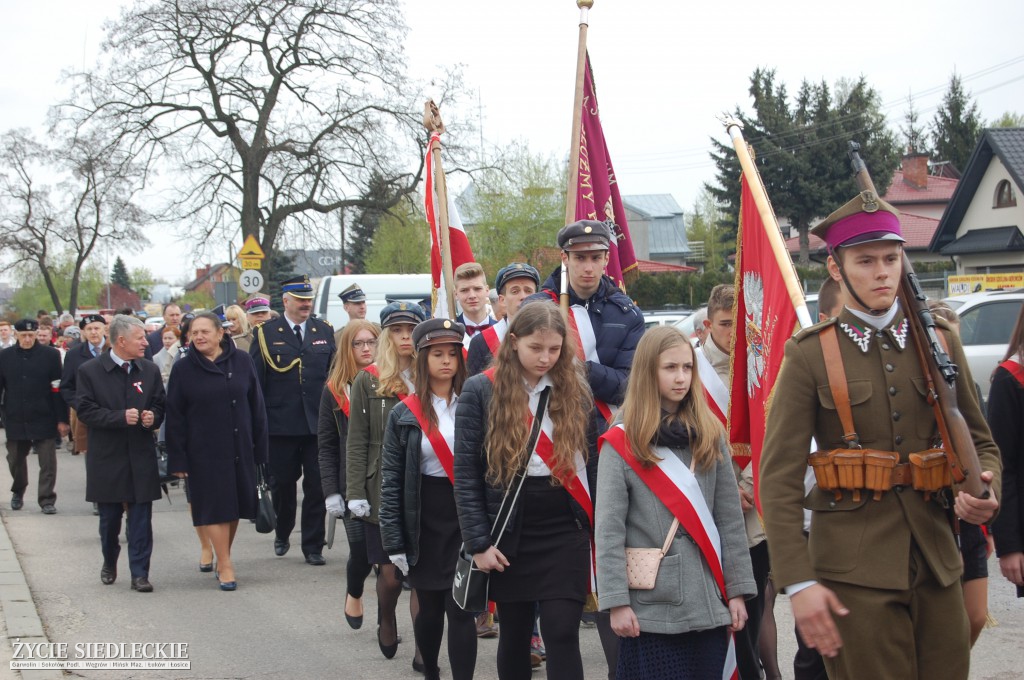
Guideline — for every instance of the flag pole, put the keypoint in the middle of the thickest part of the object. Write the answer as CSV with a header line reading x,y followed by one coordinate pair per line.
x,y
574,145
432,122
796,295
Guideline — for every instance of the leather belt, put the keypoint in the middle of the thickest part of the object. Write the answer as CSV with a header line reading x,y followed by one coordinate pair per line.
x,y
902,475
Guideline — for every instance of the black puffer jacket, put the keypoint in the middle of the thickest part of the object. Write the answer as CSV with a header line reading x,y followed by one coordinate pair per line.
x,y
400,484
331,432
618,326
477,500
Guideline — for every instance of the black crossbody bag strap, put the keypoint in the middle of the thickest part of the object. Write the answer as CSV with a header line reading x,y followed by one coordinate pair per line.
x,y
509,502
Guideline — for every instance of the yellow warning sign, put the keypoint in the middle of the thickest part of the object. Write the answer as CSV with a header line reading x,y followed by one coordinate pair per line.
x,y
250,250
251,262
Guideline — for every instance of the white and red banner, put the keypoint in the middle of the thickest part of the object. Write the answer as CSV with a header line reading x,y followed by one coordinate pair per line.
x,y
457,240
764,319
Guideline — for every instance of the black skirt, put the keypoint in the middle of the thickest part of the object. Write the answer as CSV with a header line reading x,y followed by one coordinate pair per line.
x,y
698,655
440,537
375,553
548,550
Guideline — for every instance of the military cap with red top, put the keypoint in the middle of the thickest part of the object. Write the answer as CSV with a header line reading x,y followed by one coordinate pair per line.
x,y
438,332
864,219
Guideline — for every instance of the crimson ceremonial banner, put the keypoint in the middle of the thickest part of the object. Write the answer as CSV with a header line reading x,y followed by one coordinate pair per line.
x,y
597,195
764,319
458,242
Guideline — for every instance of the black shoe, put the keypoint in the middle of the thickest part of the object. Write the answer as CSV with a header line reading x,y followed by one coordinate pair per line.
x,y
206,568
388,651
316,559
16,501
418,666
354,622
142,585
108,574
281,547
49,510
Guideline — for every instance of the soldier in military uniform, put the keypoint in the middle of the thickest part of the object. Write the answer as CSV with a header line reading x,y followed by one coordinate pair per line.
x,y
875,588
292,356
353,299
34,412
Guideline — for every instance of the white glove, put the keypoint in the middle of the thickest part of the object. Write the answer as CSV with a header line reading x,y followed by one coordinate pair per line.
x,y
359,508
334,506
400,561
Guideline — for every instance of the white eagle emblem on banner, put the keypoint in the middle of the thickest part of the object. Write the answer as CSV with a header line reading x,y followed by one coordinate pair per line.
x,y
756,328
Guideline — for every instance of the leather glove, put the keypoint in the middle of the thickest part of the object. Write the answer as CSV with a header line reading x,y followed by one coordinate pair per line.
x,y
400,561
334,506
359,508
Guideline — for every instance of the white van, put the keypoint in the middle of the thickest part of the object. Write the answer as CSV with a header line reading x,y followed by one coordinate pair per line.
x,y
380,289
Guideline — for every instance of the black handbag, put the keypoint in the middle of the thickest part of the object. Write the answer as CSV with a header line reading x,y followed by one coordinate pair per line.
x,y
266,518
469,589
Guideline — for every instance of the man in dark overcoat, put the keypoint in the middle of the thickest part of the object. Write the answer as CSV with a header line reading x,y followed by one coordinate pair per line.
x,y
94,343
120,398
292,355
33,411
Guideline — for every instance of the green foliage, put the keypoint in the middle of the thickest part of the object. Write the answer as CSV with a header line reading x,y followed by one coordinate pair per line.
x,y
363,231
956,126
197,299
1010,119
280,267
401,246
915,139
143,280
34,295
702,227
119,274
801,149
655,291
516,212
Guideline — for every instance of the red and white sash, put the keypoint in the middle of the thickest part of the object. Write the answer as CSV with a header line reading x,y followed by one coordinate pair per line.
x,y
586,350
714,388
375,372
442,447
494,334
578,485
676,486
343,402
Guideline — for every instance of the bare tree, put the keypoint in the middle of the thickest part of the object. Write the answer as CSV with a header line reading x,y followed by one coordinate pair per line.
x,y
268,114
88,199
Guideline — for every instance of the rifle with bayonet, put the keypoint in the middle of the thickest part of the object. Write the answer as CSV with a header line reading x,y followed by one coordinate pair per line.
x,y
939,371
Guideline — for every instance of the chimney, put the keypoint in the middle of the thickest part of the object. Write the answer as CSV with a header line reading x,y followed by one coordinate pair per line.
x,y
202,271
915,170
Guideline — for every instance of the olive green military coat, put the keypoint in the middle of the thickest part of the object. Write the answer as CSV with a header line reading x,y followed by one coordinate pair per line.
x,y
866,542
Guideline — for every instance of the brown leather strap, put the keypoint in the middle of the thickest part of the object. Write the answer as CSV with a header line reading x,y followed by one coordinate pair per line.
x,y
837,384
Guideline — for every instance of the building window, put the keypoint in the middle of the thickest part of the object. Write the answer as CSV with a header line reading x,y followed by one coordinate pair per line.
x,y
1005,197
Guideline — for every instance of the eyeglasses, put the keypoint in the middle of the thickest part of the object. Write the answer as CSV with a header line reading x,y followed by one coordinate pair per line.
x,y
359,344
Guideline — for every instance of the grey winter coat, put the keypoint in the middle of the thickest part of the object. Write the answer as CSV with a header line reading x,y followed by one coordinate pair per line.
x,y
685,597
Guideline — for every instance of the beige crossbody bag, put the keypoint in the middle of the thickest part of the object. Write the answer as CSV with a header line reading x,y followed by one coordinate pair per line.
x,y
642,563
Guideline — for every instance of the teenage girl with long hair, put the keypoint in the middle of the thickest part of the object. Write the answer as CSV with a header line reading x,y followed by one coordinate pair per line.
x,y
357,343
545,555
667,450
375,391
418,520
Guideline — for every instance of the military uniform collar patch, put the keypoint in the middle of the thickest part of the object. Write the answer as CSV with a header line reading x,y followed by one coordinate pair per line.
x,y
861,335
899,333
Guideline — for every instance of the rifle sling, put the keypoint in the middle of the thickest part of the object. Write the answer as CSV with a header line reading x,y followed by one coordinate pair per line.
x,y
837,384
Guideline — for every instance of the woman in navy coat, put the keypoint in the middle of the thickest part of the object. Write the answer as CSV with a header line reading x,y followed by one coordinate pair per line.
x,y
216,435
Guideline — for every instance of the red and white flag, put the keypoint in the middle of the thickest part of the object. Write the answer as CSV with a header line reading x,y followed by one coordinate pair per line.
x,y
457,240
597,189
764,319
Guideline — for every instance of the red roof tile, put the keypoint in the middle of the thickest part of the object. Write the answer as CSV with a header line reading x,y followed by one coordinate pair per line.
x,y
652,267
939,190
917,229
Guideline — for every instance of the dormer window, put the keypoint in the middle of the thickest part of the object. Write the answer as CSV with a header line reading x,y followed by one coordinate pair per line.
x,y
1005,198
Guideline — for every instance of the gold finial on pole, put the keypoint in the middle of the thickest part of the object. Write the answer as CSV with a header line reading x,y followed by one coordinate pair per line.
x,y
434,125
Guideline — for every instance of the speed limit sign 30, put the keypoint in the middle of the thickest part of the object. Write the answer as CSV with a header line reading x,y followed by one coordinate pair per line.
x,y
250,281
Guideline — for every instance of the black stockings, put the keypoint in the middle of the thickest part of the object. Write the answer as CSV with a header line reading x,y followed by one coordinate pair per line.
x,y
429,628
560,626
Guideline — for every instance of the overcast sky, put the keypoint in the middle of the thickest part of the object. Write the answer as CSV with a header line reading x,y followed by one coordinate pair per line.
x,y
664,69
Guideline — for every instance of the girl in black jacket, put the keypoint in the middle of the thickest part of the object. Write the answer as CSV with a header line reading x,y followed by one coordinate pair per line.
x,y
418,522
357,344
545,554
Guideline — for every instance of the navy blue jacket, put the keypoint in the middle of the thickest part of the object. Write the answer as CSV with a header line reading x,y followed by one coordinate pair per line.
x,y
29,399
73,360
618,325
292,395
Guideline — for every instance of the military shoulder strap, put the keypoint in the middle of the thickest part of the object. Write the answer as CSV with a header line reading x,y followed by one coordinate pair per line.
x,y
261,339
837,384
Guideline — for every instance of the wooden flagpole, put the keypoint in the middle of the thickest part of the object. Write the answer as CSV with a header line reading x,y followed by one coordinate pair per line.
x,y
574,145
771,224
432,122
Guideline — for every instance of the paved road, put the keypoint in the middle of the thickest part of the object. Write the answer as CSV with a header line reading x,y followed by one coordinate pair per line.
x,y
286,618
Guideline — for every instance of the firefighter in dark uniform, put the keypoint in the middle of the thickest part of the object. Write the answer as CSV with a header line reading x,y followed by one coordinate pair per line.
x,y
876,586
34,412
292,356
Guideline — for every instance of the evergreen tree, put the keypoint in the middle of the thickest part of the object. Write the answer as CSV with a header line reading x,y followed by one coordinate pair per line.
x,y
280,267
380,192
800,149
119,274
914,135
956,126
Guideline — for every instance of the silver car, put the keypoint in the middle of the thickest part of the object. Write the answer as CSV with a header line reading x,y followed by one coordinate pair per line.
x,y
986,323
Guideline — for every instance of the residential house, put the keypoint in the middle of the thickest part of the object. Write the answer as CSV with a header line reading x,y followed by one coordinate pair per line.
x,y
657,228
207,277
982,230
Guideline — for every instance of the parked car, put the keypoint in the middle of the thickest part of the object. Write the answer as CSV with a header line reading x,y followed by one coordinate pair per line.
x,y
380,289
665,318
986,322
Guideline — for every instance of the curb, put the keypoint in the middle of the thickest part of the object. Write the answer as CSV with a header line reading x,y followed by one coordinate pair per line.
x,y
18,610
